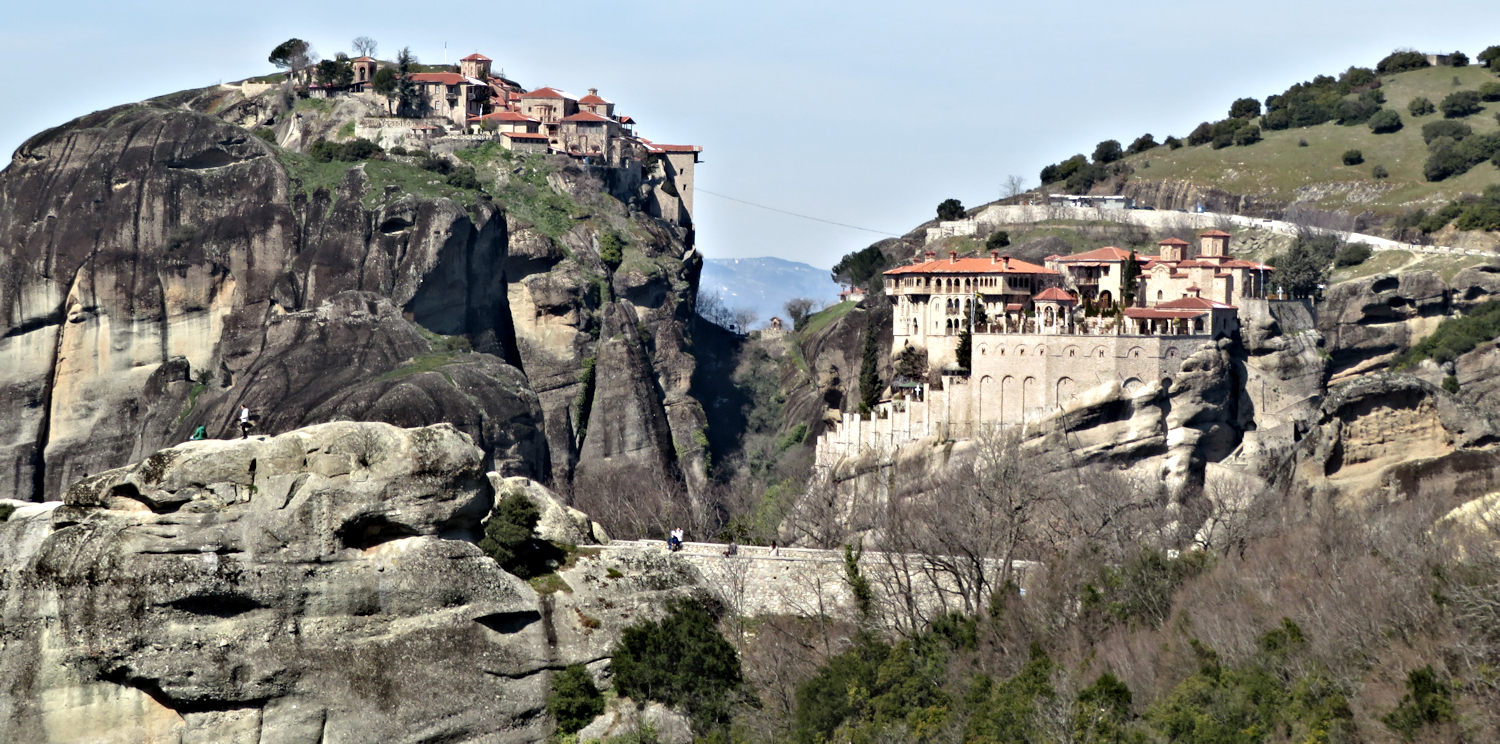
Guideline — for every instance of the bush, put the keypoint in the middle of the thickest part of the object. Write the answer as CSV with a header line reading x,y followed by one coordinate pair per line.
x,y
1084,178
1420,106
1244,108
1460,157
1385,121
999,240
1489,92
1455,337
1401,61
1428,701
950,209
681,661
1380,172
1455,129
1247,136
1482,213
1108,151
1458,59
1450,385
611,249
1172,143
1222,141
464,178
1460,104
1302,142
1358,110
1353,157
574,700
1353,254
1201,134
509,541
397,150
266,135
1141,144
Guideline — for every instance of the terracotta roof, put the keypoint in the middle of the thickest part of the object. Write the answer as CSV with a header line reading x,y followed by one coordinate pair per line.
x,y
363,59
587,116
591,98
1013,306
546,93
1173,241
672,148
1149,313
445,78
1193,303
524,135
1109,253
476,57
626,120
1215,234
1053,294
1240,263
972,266
505,116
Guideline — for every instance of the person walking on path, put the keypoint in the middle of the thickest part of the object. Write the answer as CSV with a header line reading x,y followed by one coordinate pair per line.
x,y
244,422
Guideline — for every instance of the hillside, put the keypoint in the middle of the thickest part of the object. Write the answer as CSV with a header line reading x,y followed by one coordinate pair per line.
x,y
765,284
1298,172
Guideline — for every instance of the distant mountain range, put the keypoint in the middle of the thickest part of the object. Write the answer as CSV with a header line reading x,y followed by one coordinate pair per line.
x,y
765,284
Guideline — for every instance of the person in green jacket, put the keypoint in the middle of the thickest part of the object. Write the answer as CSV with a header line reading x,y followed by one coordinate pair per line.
x,y
199,433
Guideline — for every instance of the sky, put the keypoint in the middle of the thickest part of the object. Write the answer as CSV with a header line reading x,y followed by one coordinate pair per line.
x,y
861,113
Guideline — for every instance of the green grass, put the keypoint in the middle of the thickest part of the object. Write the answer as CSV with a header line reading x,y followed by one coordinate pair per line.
x,y
822,318
1455,336
550,584
1276,167
346,131
320,105
193,394
1449,266
1381,262
309,174
412,180
279,77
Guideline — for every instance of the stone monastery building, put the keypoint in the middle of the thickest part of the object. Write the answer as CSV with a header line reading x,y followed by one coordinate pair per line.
x,y
1042,335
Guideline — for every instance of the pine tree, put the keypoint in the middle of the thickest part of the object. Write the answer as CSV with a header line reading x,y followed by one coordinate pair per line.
x,y
869,370
1128,274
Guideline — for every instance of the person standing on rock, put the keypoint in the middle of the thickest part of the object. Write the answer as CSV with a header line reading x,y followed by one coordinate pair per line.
x,y
244,422
674,540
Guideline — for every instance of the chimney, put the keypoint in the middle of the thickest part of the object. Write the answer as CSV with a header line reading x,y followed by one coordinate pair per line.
x,y
1005,262
593,91
994,257
953,257
931,256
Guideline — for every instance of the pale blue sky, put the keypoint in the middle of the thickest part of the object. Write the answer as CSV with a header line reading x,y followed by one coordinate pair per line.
x,y
867,113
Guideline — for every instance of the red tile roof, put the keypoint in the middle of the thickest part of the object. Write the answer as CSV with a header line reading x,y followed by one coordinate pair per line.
x,y
1149,313
586,116
655,148
546,93
363,59
591,98
476,57
1193,303
626,120
1108,253
1215,234
505,116
444,78
1173,241
972,266
1054,294
524,135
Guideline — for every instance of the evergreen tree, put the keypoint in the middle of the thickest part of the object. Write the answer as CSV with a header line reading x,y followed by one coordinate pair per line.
x,y
965,351
1128,274
869,369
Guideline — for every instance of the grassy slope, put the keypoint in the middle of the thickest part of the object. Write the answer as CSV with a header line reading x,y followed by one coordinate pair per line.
x,y
1277,167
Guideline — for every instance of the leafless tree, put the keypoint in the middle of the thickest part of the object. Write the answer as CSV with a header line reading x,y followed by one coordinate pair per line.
x,y
744,317
364,46
635,504
798,309
711,308
1014,186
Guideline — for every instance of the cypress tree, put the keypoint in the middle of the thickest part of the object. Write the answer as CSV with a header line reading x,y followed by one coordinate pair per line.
x,y
869,369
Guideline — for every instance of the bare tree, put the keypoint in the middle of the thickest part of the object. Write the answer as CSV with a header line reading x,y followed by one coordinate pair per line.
x,y
745,317
1014,186
711,308
798,310
364,46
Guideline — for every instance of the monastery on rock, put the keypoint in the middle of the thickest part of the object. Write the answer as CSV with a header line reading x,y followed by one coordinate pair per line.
x,y
1041,335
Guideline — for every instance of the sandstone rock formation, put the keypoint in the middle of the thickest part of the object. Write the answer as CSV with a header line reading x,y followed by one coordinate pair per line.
x,y
163,266
316,586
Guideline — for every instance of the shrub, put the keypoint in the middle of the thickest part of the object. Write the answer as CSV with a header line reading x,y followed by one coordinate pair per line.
x,y
1458,158
1455,129
1353,157
1450,385
997,241
5,511
1244,108
1385,121
950,209
611,249
509,541
1141,144
1108,151
1420,106
681,661
1201,135
1455,337
1353,254
324,151
1380,172
574,700
397,150
1247,136
1402,60
1302,142
1489,92
1428,701
464,178
1458,59
1222,141
1353,111
1084,178
1460,104
266,135
1482,213
1172,143
1489,57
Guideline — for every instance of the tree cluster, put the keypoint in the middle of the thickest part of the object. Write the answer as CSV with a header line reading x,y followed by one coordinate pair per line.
x,y
1455,149
862,266
681,661
1402,60
1302,269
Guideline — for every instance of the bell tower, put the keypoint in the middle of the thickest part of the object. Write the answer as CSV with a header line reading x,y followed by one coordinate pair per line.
x,y
476,66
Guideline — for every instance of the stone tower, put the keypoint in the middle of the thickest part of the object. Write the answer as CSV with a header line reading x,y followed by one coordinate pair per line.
x,y
364,69
1214,243
476,66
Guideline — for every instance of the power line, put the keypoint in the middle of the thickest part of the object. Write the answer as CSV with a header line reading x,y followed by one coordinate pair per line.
x,y
794,214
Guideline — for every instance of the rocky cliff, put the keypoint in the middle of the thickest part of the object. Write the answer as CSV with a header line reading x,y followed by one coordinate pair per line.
x,y
161,266
321,585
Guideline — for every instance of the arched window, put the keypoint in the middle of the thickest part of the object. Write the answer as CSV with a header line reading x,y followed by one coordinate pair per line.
x,y
1158,295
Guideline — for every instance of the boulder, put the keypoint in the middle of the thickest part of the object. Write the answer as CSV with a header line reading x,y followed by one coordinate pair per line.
x,y
560,523
625,717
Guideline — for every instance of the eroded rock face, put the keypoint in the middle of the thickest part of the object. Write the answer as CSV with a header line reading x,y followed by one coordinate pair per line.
x,y
309,587
1368,321
1389,437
